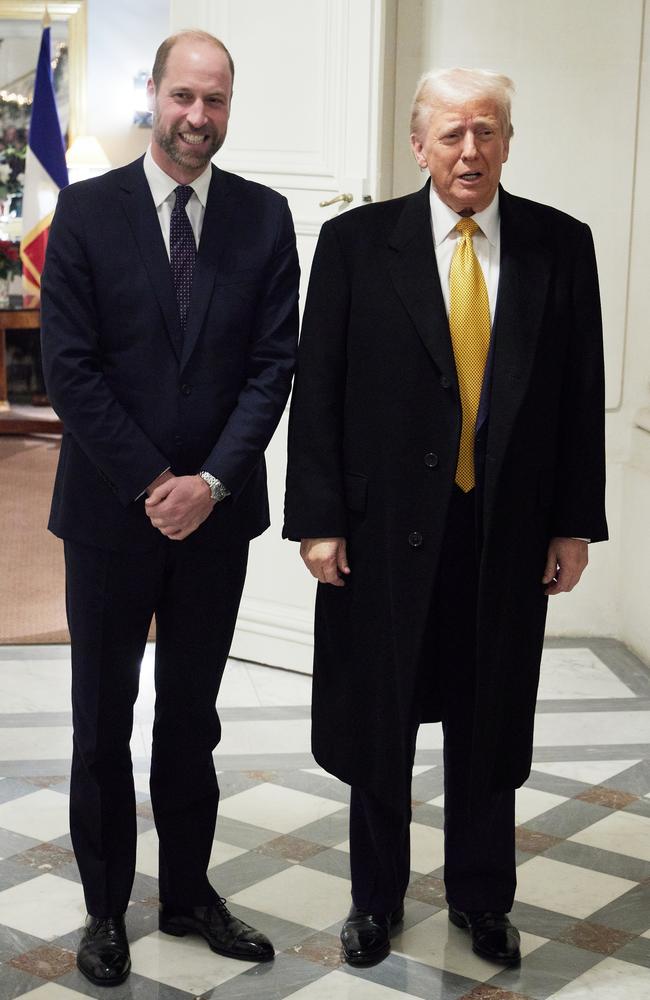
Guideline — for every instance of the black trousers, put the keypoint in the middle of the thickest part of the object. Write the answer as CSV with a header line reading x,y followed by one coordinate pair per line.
x,y
111,597
479,849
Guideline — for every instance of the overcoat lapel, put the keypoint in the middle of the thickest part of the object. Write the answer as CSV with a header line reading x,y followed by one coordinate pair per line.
x,y
135,196
414,272
218,228
524,275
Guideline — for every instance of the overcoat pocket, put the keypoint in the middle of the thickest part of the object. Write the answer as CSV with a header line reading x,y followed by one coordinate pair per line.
x,y
356,491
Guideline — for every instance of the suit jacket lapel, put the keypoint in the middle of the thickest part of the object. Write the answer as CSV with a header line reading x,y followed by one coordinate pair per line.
x,y
135,196
524,276
216,228
414,272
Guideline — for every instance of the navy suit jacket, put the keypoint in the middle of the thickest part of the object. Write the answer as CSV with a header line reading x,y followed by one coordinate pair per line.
x,y
135,393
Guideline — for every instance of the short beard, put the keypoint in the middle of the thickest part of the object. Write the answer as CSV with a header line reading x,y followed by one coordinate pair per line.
x,y
182,154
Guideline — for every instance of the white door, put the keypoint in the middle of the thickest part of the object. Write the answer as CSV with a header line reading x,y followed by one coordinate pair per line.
x,y
307,119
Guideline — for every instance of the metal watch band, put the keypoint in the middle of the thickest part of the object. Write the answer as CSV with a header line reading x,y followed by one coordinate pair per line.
x,y
217,490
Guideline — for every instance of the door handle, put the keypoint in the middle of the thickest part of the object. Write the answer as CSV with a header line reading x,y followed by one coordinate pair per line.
x,y
347,198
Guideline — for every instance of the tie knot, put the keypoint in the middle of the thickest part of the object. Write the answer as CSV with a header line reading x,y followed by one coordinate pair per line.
x,y
183,194
466,227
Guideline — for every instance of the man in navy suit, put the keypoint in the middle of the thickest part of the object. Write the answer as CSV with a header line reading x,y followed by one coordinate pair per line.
x,y
169,316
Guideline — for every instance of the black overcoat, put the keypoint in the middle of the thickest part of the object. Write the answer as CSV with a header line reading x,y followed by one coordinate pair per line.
x,y
373,441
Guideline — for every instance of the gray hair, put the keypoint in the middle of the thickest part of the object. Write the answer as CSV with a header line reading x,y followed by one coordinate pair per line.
x,y
444,87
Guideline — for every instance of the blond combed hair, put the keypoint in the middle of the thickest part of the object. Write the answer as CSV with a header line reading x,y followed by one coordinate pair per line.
x,y
450,87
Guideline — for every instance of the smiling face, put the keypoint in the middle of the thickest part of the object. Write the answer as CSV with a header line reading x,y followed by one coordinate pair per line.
x,y
191,107
463,148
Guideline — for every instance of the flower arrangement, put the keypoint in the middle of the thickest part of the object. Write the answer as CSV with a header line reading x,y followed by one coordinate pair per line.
x,y
9,259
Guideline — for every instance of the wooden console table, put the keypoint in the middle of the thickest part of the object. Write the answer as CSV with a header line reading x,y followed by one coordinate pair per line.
x,y
17,316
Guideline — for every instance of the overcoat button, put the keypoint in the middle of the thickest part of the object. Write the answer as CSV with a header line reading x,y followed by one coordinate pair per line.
x,y
445,382
415,539
186,389
431,460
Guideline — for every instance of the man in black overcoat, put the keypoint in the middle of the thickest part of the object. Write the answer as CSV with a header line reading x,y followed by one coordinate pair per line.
x,y
169,316
446,473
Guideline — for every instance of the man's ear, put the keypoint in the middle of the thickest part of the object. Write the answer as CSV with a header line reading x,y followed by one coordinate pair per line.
x,y
418,152
151,94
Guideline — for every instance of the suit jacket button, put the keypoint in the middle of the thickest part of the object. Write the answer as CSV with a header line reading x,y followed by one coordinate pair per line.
x,y
415,539
445,382
186,389
431,460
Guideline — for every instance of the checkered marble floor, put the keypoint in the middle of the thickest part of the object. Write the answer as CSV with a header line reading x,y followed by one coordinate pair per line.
x,y
281,851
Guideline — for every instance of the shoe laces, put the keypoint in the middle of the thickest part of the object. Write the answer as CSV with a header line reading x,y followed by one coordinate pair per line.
x,y
110,927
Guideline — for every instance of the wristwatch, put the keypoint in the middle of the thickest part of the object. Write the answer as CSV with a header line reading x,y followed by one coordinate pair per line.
x,y
217,490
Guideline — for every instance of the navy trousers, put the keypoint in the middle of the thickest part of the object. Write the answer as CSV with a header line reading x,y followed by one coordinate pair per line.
x,y
194,594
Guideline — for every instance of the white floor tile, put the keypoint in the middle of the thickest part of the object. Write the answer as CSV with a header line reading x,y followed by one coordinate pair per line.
x,y
429,736
621,832
141,782
51,991
277,808
183,963
578,892
529,802
436,942
260,738
42,815
301,895
237,688
46,907
340,986
611,979
427,848
147,853
279,687
591,728
35,685
423,768
36,743
592,772
578,673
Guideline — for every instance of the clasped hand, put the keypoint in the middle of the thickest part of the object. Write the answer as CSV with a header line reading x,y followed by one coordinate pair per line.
x,y
177,505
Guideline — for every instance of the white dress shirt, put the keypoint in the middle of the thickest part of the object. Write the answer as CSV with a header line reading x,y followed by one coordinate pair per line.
x,y
162,191
487,244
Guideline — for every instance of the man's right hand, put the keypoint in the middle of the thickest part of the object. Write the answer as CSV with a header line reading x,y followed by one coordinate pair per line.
x,y
326,559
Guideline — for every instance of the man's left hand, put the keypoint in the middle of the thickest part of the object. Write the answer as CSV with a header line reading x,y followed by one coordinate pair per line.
x,y
178,506
565,562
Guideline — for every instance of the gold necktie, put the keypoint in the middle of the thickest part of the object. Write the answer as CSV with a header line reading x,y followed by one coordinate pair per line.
x,y
469,322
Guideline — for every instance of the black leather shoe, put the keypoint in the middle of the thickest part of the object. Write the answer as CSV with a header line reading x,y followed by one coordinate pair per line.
x,y
103,954
226,934
493,936
366,936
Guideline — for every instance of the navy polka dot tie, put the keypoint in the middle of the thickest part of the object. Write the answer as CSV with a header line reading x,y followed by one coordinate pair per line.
x,y
182,250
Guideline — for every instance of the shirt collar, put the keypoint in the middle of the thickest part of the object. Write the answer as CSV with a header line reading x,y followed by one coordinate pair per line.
x,y
162,184
444,219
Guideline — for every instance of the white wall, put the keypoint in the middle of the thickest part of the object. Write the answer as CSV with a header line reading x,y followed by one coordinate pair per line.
x,y
122,40
582,143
